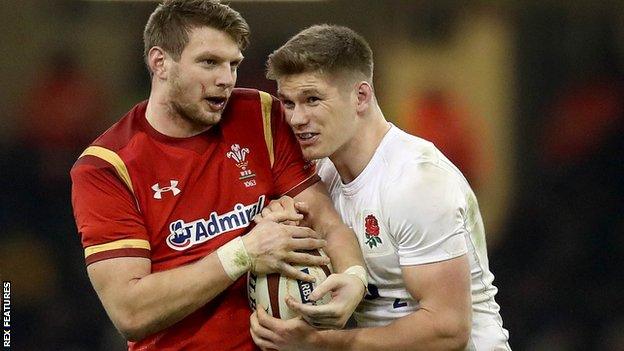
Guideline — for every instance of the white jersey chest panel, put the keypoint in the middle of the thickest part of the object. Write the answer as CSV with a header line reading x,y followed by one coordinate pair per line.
x,y
387,298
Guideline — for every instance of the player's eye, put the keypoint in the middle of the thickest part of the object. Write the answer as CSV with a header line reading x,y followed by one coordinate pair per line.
x,y
312,100
234,65
289,105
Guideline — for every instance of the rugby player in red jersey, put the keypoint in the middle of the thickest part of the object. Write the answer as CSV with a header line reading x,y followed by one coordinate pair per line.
x,y
164,200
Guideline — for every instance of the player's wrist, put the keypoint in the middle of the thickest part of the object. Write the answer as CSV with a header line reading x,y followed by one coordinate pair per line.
x,y
358,272
332,339
234,258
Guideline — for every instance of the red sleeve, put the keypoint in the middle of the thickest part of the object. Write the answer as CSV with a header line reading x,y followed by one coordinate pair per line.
x,y
291,173
108,220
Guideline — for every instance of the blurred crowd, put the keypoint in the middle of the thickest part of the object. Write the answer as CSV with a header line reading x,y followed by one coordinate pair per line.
x,y
557,262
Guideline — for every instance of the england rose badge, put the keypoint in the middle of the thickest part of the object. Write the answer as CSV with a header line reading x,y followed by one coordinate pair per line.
x,y
372,231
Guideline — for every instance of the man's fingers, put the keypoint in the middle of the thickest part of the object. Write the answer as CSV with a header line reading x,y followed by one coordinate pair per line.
x,y
286,218
258,218
274,205
265,320
319,317
326,286
284,205
281,210
309,311
262,343
265,336
294,273
305,259
283,216
302,207
271,208
306,244
302,232
286,201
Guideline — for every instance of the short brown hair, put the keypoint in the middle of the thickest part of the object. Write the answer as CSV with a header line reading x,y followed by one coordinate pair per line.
x,y
324,48
169,25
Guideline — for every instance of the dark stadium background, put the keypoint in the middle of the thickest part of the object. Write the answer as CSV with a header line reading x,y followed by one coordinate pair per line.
x,y
526,97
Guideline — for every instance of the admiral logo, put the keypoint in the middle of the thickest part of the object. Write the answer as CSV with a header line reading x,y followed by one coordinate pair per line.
x,y
184,235
305,288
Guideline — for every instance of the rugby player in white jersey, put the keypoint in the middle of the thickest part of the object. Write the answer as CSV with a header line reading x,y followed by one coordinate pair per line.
x,y
416,217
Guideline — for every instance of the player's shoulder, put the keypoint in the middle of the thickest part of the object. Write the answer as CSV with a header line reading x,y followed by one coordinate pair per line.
x,y
400,148
123,131
108,145
244,94
249,102
408,156
250,95
415,166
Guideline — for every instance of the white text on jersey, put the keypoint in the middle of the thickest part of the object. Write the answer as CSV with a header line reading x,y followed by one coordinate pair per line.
x,y
184,235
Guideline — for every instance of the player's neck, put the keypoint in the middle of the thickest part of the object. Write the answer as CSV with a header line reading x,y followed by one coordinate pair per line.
x,y
351,159
161,115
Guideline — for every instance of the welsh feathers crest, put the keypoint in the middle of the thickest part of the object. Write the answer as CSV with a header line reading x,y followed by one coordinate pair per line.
x,y
238,154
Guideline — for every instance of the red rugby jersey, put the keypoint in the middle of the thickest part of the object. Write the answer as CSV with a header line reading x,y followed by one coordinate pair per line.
x,y
139,193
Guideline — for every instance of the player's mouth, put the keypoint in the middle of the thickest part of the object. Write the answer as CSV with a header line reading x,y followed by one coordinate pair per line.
x,y
216,103
307,139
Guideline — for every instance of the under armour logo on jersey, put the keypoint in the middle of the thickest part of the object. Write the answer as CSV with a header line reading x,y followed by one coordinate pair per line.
x,y
158,190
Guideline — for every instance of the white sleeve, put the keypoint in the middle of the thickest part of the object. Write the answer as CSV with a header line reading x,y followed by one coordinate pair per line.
x,y
425,207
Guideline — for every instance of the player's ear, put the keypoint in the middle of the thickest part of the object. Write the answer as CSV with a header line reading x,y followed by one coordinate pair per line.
x,y
157,61
364,96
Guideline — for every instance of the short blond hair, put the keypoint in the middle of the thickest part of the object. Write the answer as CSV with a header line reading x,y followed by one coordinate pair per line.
x,y
325,48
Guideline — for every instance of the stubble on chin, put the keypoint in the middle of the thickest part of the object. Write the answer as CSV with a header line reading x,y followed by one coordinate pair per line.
x,y
189,111
308,154
193,113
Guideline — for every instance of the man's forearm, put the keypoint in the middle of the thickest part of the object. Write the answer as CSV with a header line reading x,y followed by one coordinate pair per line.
x,y
342,247
159,300
417,331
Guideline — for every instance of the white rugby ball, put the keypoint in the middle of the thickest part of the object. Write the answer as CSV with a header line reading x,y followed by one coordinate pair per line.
x,y
270,290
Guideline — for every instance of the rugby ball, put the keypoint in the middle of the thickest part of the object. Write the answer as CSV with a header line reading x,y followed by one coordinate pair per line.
x,y
270,290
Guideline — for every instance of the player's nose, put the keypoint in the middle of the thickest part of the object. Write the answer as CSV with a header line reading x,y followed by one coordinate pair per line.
x,y
298,117
226,76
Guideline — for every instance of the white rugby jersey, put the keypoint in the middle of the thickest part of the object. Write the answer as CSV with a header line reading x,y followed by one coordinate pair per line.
x,y
412,206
